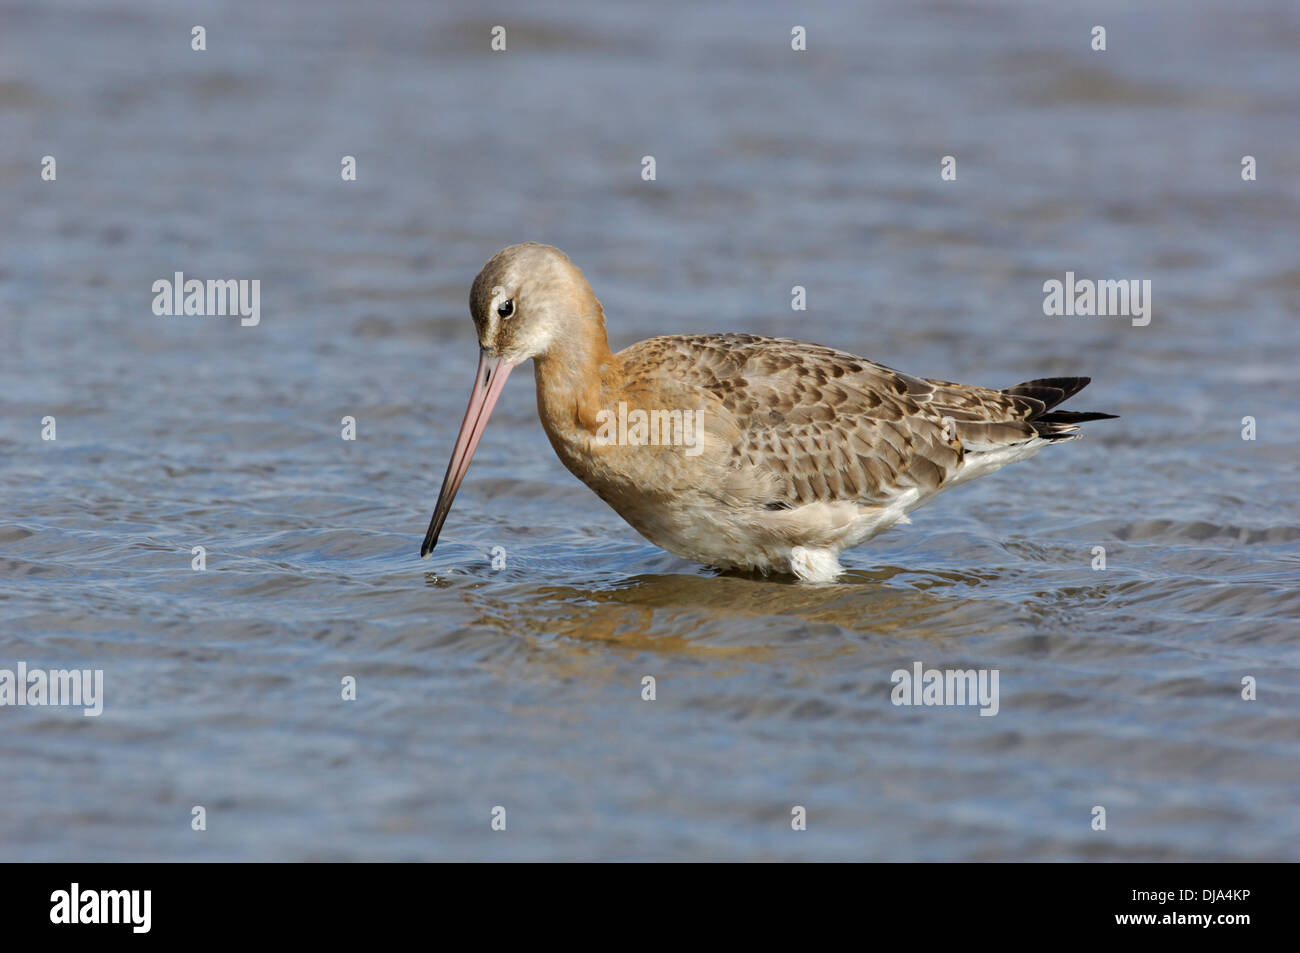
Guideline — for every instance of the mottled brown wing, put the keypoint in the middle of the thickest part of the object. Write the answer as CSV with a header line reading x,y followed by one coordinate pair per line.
x,y
983,419
830,426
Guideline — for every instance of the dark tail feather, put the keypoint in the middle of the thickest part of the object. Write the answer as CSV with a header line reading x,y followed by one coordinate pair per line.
x,y
1050,391
1072,417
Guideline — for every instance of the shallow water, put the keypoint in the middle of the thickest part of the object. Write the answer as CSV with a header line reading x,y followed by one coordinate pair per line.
x,y
521,687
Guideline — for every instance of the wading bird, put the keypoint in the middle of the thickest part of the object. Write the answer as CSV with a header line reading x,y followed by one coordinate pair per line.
x,y
800,451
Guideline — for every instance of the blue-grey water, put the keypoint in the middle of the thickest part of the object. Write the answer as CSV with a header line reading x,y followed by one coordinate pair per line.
x,y
521,687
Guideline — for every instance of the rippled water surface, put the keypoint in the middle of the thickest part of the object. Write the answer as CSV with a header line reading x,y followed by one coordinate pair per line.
x,y
521,687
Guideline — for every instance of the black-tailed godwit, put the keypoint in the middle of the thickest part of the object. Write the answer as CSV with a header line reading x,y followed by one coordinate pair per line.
x,y
742,452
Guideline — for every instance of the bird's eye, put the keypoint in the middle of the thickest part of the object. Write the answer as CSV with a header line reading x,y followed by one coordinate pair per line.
x,y
506,308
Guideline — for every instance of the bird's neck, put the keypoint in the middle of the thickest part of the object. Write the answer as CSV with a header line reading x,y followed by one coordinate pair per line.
x,y
577,377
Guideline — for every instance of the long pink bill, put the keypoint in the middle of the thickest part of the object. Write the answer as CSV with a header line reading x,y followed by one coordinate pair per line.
x,y
491,378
